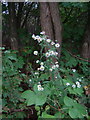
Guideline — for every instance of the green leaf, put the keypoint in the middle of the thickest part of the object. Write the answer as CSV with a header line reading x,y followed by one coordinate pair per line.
x,y
68,101
40,99
59,115
44,76
31,100
35,88
78,111
81,110
73,113
27,94
79,91
12,58
45,115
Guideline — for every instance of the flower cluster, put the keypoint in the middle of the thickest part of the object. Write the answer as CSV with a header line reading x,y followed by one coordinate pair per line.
x,y
40,39
51,53
40,88
74,70
56,65
77,84
80,79
41,68
37,37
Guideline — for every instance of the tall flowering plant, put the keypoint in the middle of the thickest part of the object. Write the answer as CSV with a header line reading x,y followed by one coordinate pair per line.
x,y
53,96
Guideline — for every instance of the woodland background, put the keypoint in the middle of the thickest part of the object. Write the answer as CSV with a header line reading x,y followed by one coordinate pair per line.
x,y
66,22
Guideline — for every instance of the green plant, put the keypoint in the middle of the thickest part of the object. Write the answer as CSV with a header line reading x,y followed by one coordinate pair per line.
x,y
56,91
12,78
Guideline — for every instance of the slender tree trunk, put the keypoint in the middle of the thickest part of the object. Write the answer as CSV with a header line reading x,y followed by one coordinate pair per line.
x,y
86,45
51,22
56,23
13,32
46,21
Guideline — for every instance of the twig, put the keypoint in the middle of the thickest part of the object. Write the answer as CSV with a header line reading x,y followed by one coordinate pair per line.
x,y
53,107
18,110
77,56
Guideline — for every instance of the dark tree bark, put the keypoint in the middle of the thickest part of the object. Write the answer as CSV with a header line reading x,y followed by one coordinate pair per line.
x,y
56,23
19,14
50,21
46,21
12,21
86,44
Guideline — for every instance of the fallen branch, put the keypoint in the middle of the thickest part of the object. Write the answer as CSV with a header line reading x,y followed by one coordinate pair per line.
x,y
77,57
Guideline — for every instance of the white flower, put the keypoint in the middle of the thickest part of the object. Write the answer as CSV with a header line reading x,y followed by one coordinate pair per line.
x,y
51,52
56,40
40,88
47,54
50,69
54,66
34,37
67,84
73,85
52,43
37,61
56,77
57,65
36,73
35,52
30,80
42,68
77,83
74,70
82,77
48,40
57,45
79,86
41,63
56,62
38,68
39,39
56,53
42,33
80,80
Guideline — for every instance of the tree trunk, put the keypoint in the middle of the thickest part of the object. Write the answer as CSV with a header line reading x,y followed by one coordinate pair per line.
x,y
56,23
50,21
86,45
13,32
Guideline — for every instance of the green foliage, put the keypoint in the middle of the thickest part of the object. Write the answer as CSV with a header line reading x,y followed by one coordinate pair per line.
x,y
75,110
12,79
63,93
54,93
